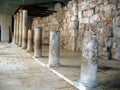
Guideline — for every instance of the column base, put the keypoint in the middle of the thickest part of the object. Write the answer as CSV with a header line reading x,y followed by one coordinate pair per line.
x,y
37,56
54,65
24,48
29,51
94,86
19,45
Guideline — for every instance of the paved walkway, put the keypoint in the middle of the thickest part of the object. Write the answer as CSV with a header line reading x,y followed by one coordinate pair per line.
x,y
19,71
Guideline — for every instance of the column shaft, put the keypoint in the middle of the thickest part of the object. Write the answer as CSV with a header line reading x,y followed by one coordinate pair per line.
x,y
20,29
89,64
38,42
17,29
14,38
24,33
54,48
30,41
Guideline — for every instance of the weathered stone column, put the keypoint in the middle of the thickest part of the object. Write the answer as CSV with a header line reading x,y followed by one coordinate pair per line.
x,y
14,38
17,29
38,42
24,32
54,48
30,41
89,64
20,29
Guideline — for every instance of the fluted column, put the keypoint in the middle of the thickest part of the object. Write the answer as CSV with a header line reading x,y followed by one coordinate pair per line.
x,y
15,20
17,29
89,64
38,42
20,29
54,48
30,41
24,28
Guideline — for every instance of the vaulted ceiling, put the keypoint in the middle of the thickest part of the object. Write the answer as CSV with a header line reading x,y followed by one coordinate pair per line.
x,y
10,6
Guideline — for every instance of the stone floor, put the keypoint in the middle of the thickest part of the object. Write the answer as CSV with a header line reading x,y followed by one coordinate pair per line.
x,y
19,71
108,70
27,74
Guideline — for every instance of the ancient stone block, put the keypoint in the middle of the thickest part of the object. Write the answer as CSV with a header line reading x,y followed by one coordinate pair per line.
x,y
118,21
112,1
88,13
84,20
94,18
73,18
93,4
106,54
97,9
107,8
80,14
113,50
118,5
105,2
99,1
104,49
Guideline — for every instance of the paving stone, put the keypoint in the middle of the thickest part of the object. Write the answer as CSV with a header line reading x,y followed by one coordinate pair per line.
x,y
19,71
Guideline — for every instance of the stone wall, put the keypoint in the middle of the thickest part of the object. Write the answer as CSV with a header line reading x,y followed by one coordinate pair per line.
x,y
102,18
5,23
78,17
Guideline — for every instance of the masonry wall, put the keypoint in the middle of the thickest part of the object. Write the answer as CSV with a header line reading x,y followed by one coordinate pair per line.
x,y
5,23
85,17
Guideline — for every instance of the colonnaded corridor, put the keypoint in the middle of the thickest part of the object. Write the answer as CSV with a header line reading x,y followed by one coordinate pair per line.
x,y
19,71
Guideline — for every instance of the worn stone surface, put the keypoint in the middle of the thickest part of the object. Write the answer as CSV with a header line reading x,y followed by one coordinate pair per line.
x,y
17,29
38,42
20,28
19,71
89,64
54,49
15,23
30,41
25,29
72,19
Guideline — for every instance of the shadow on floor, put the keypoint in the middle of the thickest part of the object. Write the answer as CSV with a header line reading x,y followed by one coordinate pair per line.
x,y
112,85
70,66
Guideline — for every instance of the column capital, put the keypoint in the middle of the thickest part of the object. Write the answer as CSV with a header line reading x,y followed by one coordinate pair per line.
x,y
25,11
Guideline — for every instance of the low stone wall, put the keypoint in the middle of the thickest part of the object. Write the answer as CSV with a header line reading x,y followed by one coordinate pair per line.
x,y
78,17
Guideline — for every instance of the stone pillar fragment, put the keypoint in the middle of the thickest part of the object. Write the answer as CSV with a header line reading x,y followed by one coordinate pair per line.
x,y
17,29
54,48
20,29
15,23
38,42
30,41
24,32
89,64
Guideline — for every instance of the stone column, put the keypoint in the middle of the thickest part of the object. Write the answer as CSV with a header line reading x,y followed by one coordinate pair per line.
x,y
17,29
24,28
20,29
30,41
14,38
38,42
89,64
54,48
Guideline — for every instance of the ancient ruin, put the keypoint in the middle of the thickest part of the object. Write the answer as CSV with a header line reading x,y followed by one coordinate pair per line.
x,y
88,28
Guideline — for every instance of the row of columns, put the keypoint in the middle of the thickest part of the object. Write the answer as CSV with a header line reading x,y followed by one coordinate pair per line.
x,y
32,41
20,28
